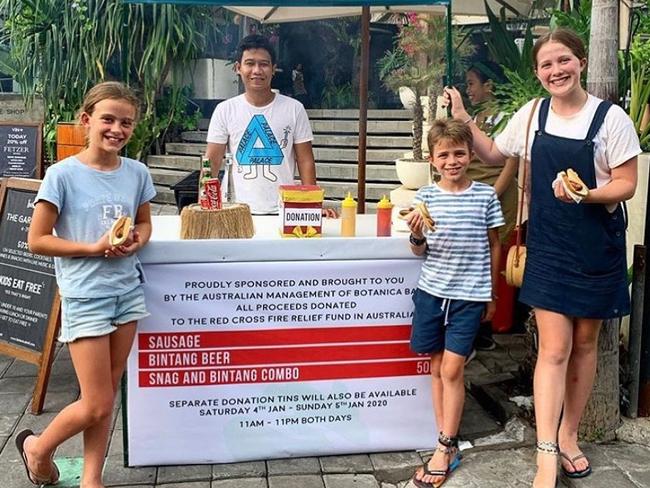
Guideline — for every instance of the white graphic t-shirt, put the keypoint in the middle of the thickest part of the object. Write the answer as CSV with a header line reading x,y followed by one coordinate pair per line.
x,y
261,141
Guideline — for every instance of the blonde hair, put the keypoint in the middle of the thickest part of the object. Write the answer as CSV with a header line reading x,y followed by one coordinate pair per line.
x,y
112,90
452,130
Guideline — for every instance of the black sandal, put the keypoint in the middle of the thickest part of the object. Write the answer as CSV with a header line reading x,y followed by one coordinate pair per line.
x,y
576,473
35,478
450,447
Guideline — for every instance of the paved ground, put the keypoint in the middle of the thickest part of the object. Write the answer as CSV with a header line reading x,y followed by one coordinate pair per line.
x,y
501,456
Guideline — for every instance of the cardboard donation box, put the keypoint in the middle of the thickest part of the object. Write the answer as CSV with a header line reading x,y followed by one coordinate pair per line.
x,y
301,210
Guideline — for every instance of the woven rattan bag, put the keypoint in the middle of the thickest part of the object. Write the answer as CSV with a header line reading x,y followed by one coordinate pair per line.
x,y
516,259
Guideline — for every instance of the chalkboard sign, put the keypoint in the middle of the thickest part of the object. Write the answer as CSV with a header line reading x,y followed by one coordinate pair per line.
x,y
29,299
20,150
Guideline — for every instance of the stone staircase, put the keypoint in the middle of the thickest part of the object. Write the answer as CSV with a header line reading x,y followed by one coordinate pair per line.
x,y
335,150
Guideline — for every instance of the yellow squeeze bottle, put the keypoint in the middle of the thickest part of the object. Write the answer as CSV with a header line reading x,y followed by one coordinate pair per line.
x,y
348,216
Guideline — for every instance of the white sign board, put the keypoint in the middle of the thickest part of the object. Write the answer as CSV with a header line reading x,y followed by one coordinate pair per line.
x,y
243,361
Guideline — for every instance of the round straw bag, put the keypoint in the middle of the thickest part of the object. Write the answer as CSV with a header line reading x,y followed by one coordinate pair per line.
x,y
516,259
515,263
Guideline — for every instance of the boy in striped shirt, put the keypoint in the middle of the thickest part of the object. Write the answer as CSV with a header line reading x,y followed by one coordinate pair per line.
x,y
456,287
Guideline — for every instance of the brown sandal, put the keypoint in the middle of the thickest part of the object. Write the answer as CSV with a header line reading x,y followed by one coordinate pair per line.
x,y
35,478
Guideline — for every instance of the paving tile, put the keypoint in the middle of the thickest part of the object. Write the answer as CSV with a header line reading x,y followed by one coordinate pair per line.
x,y
248,469
392,467
350,481
602,478
20,369
241,483
279,467
353,464
14,402
8,423
189,484
640,478
116,474
178,474
296,481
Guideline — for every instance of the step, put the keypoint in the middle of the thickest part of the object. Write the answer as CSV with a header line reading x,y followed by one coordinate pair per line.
x,y
402,127
320,153
354,114
405,142
339,189
167,177
179,162
324,171
339,171
342,114
164,195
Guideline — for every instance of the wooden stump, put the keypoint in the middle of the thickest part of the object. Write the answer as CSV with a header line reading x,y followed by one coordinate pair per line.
x,y
231,222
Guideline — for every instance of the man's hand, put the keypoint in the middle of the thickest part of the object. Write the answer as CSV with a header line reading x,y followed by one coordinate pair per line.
x,y
330,213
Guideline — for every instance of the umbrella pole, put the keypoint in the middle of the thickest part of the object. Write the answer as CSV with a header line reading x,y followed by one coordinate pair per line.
x,y
363,107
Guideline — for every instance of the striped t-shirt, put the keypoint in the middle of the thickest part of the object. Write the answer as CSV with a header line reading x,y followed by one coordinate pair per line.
x,y
457,264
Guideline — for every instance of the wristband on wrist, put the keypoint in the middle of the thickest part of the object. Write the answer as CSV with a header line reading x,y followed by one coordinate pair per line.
x,y
469,119
417,241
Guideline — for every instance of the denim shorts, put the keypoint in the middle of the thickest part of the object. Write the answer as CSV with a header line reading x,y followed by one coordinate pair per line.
x,y
94,317
442,323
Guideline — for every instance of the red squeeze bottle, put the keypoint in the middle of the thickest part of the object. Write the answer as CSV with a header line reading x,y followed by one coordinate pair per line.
x,y
384,211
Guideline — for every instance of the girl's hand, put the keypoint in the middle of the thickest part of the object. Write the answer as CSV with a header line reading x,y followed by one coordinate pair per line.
x,y
454,98
560,193
130,246
415,221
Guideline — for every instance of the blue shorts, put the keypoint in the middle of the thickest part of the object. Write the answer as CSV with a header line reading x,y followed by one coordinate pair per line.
x,y
94,317
441,323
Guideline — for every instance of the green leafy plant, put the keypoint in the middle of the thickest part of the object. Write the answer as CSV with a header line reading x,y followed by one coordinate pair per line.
x,y
418,61
58,49
640,88
343,96
521,84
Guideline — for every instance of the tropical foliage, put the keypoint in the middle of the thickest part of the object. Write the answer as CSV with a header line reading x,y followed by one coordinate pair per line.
x,y
639,61
521,84
59,49
418,61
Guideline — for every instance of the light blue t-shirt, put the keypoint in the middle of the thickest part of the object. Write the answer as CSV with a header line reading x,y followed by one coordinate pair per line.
x,y
89,201
457,264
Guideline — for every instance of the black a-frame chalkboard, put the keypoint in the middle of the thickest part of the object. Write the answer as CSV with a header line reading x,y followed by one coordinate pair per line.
x,y
29,298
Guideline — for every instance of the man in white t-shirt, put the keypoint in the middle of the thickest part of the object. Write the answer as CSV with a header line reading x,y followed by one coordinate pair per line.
x,y
268,134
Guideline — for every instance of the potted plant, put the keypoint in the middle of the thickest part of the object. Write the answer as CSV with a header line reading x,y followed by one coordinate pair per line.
x,y
418,63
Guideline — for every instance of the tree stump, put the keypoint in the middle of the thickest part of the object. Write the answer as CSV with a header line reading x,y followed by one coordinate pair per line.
x,y
230,222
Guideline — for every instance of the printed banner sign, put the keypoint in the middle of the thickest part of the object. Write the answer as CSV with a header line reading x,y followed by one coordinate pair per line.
x,y
243,361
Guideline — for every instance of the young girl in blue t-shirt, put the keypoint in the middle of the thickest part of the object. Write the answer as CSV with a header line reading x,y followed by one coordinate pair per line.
x,y
100,284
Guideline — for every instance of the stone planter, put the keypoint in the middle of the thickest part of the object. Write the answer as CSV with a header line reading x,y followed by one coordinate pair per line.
x,y
413,174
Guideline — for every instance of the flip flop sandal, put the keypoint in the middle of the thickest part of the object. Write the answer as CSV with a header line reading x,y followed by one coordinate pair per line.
x,y
34,478
436,472
576,473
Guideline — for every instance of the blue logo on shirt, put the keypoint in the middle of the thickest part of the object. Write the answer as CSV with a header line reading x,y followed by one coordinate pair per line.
x,y
259,132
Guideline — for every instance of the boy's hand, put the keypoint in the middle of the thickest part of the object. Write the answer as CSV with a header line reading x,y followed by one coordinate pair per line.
x,y
415,221
490,309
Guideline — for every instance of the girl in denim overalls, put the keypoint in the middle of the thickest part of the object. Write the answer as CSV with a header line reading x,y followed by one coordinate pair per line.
x,y
575,273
